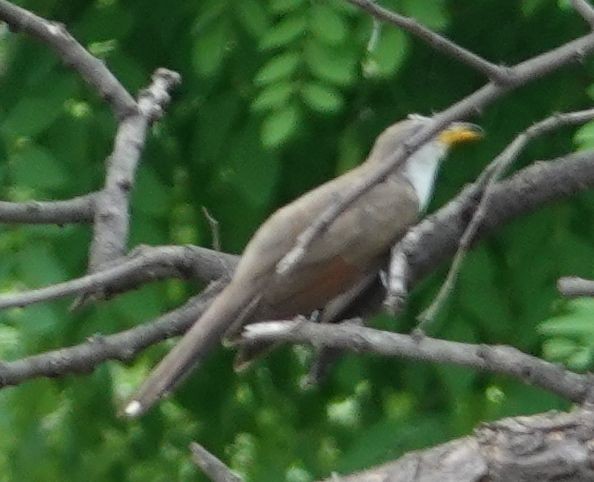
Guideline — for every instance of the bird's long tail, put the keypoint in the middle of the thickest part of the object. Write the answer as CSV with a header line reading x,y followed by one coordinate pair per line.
x,y
190,350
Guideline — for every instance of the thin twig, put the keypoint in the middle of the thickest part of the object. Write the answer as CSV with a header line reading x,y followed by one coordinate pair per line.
x,y
91,69
374,36
433,39
213,467
486,184
574,287
76,210
523,72
497,359
585,10
148,264
214,229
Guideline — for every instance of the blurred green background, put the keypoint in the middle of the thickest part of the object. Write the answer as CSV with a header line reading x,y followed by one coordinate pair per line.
x,y
277,97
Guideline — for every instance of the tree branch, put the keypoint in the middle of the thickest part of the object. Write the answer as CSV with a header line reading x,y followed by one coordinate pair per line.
x,y
110,229
546,447
123,346
216,470
143,265
433,39
504,360
574,287
91,69
585,10
76,210
532,187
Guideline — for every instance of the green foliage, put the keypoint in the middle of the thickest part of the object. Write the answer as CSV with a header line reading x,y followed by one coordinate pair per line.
x,y
277,97
570,335
431,14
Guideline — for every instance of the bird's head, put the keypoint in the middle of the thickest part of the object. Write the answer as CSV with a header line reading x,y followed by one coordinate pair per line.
x,y
459,133
454,134
397,134
421,167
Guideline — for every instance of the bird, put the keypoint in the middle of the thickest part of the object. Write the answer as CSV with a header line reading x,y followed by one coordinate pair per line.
x,y
353,246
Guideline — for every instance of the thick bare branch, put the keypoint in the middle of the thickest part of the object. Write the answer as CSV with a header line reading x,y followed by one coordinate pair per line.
x,y
77,210
123,346
497,359
110,229
144,265
91,69
530,188
548,447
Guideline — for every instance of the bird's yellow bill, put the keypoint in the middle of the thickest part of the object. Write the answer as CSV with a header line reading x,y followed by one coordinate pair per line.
x,y
460,133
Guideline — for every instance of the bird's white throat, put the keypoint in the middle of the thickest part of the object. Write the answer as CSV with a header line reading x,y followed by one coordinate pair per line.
x,y
421,170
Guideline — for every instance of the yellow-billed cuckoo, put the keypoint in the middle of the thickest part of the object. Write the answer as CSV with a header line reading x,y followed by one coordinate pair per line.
x,y
352,246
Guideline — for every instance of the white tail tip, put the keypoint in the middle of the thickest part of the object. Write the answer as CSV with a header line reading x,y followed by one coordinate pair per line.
x,y
133,409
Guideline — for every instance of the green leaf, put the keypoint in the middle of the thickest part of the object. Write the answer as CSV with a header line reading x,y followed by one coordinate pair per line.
x,y
103,49
350,150
478,291
376,442
139,305
253,16
577,321
327,24
31,116
279,126
284,6
273,96
584,136
580,360
559,349
103,23
321,97
10,342
215,125
39,266
210,47
277,68
431,13
35,167
284,32
39,321
151,195
3,163
530,7
256,170
388,54
336,66
569,325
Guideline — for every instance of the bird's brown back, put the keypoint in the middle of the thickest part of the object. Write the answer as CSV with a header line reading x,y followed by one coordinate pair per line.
x,y
345,252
